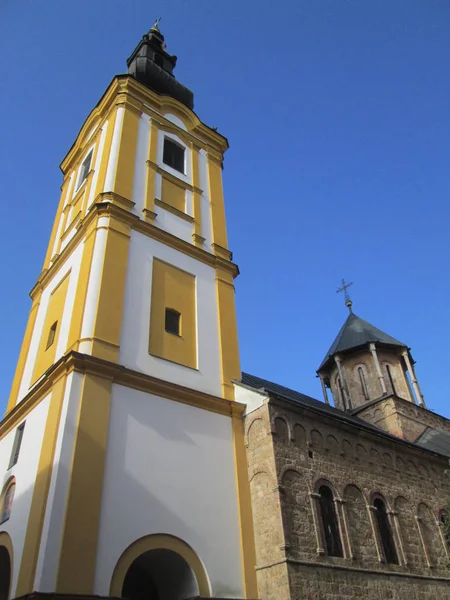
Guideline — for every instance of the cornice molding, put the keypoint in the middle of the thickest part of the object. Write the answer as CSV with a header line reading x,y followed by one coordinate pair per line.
x,y
173,210
113,207
85,363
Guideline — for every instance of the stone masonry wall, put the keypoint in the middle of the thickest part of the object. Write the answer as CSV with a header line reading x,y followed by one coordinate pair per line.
x,y
402,418
291,452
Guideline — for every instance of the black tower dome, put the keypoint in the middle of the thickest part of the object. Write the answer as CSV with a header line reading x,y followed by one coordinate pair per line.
x,y
153,66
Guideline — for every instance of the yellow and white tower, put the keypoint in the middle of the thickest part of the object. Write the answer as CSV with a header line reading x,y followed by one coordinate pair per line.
x,y
121,452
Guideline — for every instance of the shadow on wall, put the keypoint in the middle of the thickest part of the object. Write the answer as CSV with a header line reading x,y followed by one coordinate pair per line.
x,y
145,513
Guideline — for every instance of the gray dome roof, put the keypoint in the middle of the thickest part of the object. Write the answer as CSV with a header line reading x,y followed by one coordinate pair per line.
x,y
355,333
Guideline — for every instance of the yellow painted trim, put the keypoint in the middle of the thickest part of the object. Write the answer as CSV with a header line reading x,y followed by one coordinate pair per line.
x,y
196,197
159,542
176,289
108,320
229,346
126,159
173,210
25,582
111,208
5,540
173,178
173,194
81,291
55,311
65,190
84,363
106,153
150,184
23,354
244,508
82,518
126,87
219,230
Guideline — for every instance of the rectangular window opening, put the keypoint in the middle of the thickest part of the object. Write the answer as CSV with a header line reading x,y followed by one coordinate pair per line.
x,y
173,155
51,335
85,168
16,446
173,322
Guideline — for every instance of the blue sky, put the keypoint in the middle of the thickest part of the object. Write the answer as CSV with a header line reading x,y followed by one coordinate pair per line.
x,y
337,113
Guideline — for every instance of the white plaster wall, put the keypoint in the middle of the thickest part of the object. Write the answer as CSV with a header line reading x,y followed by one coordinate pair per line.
x,y
170,469
72,264
251,398
49,551
98,161
175,120
114,152
90,309
205,205
140,169
136,317
25,472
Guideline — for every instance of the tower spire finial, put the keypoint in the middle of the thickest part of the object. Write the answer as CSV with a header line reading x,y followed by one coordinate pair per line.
x,y
343,288
155,26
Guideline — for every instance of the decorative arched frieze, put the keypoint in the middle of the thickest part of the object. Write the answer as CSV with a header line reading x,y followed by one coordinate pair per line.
x,y
347,449
316,439
254,429
273,423
300,436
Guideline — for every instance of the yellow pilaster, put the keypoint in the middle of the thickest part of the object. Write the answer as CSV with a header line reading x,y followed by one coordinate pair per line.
x,y
81,292
244,506
77,560
196,198
23,354
229,348
108,321
149,210
27,571
124,176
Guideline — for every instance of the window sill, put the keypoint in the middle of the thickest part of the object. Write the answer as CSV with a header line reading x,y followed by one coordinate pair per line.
x,y
174,362
173,210
77,192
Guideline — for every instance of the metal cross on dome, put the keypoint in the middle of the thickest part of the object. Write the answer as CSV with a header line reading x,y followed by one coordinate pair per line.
x,y
344,287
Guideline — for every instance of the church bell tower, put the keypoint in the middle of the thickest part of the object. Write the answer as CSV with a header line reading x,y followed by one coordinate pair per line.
x,y
122,449
371,374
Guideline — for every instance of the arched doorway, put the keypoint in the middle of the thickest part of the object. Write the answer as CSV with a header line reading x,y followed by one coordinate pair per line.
x,y
159,575
159,567
5,571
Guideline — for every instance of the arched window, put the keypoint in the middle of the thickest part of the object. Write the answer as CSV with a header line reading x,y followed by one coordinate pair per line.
x,y
362,381
384,529
329,522
7,499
